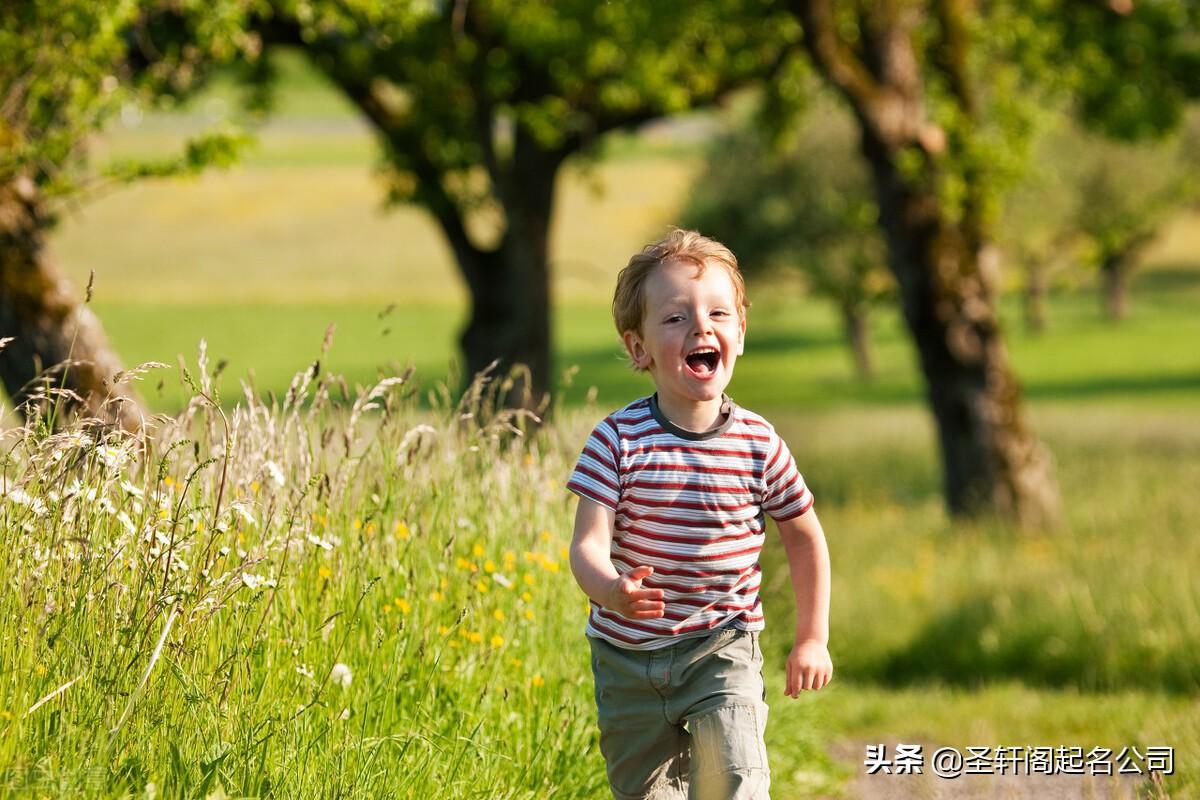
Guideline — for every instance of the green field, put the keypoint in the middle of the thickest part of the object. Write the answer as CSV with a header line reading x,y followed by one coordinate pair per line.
x,y
942,632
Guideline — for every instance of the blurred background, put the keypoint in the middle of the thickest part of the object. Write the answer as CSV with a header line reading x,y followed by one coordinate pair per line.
x,y
971,236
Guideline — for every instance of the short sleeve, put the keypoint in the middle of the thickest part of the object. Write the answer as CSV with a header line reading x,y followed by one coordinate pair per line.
x,y
596,476
784,494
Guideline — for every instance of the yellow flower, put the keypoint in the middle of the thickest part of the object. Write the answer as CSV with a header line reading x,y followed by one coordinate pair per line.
x,y
529,615
403,605
497,641
474,637
528,579
550,565
40,669
370,527
527,597
169,481
357,524
324,571
454,644
481,587
477,550
498,614
528,459
254,485
509,557
443,583
563,553
536,680
516,662
544,536
462,563
401,530
489,566
436,597
443,630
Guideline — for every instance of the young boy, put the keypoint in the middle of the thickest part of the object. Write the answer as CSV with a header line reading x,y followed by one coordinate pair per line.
x,y
672,494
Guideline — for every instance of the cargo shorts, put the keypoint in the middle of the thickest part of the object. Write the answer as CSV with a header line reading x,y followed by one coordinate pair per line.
x,y
683,721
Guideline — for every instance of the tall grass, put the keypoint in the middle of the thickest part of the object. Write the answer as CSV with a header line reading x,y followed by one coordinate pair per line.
x,y
295,600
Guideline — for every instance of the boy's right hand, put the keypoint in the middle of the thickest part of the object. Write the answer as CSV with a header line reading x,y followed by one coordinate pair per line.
x,y
627,597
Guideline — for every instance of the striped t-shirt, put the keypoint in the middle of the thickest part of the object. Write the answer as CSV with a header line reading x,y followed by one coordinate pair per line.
x,y
692,506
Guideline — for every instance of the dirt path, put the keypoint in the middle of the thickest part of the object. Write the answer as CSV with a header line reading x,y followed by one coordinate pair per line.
x,y
928,786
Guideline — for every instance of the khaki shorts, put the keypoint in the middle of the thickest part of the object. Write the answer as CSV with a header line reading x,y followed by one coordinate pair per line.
x,y
686,720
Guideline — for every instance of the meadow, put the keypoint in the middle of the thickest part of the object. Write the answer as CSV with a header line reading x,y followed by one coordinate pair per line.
x,y
290,593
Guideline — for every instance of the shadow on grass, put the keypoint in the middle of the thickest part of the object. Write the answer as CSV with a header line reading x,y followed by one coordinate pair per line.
x,y
1000,637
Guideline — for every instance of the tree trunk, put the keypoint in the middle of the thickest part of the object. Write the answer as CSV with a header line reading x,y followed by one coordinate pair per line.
x,y
941,257
510,286
858,337
1115,269
991,460
58,343
1035,296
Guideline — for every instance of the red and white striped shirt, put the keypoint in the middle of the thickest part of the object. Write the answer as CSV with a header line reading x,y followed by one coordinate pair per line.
x,y
692,506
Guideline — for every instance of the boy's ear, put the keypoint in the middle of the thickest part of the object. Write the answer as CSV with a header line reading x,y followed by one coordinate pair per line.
x,y
635,348
742,336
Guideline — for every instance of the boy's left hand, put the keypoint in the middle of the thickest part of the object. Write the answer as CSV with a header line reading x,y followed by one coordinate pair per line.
x,y
808,667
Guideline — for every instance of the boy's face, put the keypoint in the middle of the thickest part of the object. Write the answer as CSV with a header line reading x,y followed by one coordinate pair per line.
x,y
692,332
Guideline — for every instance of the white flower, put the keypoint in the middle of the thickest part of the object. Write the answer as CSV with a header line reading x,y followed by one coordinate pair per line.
x,y
129,488
305,670
318,541
345,715
113,457
275,472
253,581
23,498
243,511
124,519
341,675
503,581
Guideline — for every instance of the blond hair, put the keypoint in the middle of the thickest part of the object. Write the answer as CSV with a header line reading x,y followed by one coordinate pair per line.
x,y
629,299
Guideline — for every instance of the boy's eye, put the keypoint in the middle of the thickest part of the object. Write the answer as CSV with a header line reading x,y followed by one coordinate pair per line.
x,y
673,318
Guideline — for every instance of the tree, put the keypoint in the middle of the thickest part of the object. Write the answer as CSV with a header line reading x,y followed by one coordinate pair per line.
x,y
801,200
478,104
939,91
64,73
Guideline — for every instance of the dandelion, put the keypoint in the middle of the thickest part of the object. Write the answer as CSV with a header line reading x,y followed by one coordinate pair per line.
x,y
436,597
474,637
516,662
255,486
481,587
550,565
498,614
403,605
528,579
497,641
477,550
324,572
536,681
341,675
275,473
443,630
510,558
401,530
527,597
489,566
544,536
529,615
357,524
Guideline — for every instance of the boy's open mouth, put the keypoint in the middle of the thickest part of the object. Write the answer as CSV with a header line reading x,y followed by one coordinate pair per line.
x,y
703,361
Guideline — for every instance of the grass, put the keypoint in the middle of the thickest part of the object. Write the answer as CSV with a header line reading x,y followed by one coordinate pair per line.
x,y
428,557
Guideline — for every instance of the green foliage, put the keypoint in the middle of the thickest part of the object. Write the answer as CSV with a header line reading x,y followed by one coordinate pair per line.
x,y
461,92
70,65
803,201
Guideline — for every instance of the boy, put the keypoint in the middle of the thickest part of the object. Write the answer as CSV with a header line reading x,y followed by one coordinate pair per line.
x,y
672,494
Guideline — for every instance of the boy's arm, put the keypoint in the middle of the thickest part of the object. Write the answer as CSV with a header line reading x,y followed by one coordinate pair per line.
x,y
594,570
808,665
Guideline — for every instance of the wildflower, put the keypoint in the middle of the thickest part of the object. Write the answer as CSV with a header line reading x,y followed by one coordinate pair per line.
x,y
341,675
130,489
528,579
253,581
318,541
254,486
481,587
403,605
324,572
401,530
516,662
474,637
23,498
357,524
168,481
243,511
536,680
489,566
544,536
345,715
510,558
443,630
436,597
477,550
529,615
503,581
497,641
498,614
275,473
550,565
126,523
305,670
114,457
527,597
